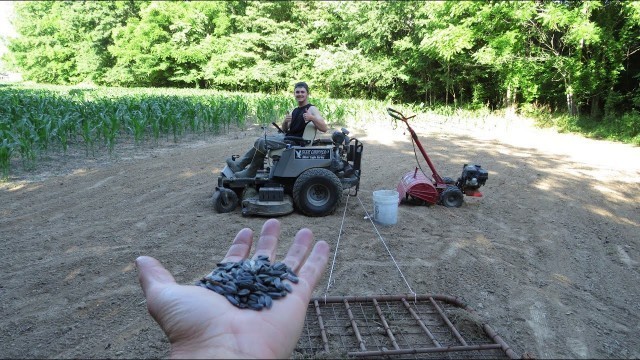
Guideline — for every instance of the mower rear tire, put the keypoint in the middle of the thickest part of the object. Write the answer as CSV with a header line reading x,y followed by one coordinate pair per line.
x,y
317,192
225,200
452,196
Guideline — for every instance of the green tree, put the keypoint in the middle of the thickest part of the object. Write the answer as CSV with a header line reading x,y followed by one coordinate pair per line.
x,y
350,47
581,56
168,45
66,41
256,57
40,52
141,48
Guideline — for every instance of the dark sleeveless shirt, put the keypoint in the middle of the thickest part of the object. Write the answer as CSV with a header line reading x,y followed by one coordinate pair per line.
x,y
296,128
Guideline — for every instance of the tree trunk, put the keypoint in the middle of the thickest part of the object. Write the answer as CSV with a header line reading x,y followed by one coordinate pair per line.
x,y
507,98
510,100
453,94
571,106
596,114
446,90
427,93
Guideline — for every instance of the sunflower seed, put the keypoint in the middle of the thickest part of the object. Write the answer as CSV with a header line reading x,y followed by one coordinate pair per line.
x,y
244,292
250,284
287,287
233,299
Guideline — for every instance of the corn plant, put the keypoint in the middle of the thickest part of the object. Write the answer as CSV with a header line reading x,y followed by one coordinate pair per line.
x,y
7,147
272,108
35,119
27,137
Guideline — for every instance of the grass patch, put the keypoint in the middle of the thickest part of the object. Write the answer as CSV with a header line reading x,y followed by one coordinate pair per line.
x,y
623,128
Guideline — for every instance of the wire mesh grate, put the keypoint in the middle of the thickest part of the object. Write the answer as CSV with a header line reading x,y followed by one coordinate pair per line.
x,y
398,327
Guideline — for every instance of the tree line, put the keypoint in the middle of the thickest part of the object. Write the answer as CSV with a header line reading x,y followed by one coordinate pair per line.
x,y
578,57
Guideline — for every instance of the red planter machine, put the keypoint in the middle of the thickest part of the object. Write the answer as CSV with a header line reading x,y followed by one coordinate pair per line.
x,y
416,187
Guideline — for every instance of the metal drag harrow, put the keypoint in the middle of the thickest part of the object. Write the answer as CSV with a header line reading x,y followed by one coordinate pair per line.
x,y
398,327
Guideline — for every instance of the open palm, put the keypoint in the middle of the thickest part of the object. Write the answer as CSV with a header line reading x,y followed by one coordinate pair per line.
x,y
202,323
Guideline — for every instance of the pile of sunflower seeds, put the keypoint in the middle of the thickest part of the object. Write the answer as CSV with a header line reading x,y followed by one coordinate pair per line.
x,y
250,284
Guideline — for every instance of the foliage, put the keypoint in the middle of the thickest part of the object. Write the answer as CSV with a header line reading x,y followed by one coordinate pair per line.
x,y
577,57
624,128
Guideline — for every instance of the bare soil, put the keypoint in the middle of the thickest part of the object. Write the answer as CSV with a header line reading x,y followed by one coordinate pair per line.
x,y
549,257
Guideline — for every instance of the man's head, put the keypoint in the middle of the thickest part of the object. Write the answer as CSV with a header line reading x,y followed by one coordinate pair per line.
x,y
301,93
301,84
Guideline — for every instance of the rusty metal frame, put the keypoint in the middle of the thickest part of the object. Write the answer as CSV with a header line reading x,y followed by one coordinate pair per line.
x,y
397,326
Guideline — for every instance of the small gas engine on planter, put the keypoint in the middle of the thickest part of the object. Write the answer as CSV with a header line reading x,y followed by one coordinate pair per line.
x,y
473,176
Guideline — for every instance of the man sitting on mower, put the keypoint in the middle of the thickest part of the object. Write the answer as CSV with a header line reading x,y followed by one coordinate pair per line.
x,y
293,125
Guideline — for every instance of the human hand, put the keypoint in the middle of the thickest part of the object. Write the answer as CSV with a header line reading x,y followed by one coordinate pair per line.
x,y
201,323
307,116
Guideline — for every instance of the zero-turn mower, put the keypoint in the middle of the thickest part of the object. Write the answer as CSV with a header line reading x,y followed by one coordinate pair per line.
x,y
307,173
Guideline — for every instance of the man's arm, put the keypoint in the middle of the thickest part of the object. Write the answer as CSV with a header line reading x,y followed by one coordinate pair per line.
x,y
286,123
313,114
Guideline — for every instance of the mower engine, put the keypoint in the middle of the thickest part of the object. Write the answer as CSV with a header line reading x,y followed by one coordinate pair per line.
x,y
473,176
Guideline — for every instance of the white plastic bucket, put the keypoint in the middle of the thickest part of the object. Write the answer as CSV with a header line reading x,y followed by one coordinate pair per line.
x,y
385,206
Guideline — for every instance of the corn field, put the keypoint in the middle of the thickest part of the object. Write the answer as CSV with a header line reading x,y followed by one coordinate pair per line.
x,y
37,119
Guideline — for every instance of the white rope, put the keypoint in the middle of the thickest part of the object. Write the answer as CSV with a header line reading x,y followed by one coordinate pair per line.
x,y
335,254
386,247
333,263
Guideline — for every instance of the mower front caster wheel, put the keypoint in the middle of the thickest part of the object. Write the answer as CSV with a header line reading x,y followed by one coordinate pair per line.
x,y
225,200
452,196
317,192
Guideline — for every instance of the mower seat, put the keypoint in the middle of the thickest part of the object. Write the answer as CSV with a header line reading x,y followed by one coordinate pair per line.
x,y
307,138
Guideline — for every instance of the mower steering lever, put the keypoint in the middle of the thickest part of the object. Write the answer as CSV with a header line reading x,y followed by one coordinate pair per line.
x,y
277,127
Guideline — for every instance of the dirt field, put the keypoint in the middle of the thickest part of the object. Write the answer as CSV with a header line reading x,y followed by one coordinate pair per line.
x,y
549,257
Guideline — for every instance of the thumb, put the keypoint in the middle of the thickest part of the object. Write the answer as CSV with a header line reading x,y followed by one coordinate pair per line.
x,y
152,274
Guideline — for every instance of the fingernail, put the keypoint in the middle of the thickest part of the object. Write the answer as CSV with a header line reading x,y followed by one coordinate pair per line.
x,y
140,259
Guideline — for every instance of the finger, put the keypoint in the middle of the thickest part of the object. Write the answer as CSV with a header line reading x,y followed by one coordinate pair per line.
x,y
313,268
299,250
240,247
268,239
152,275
